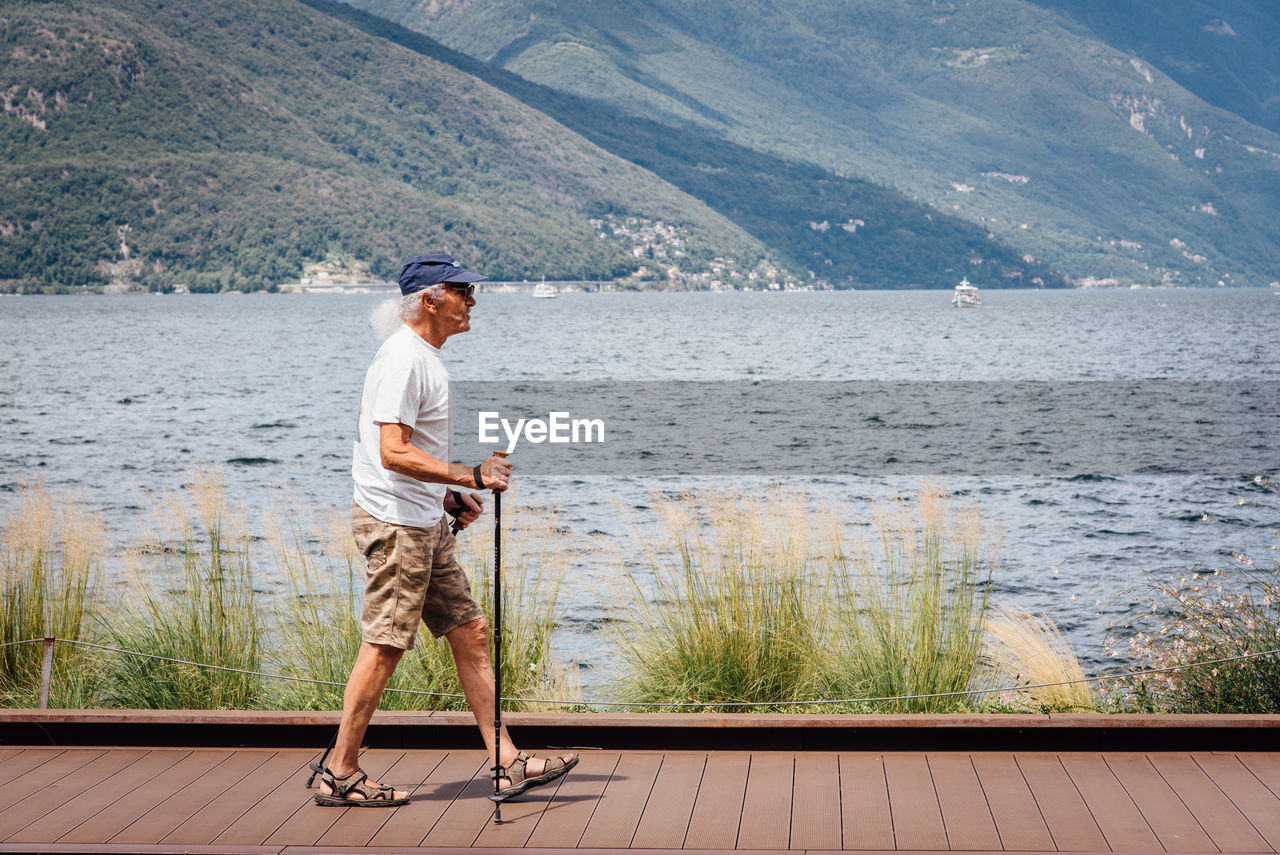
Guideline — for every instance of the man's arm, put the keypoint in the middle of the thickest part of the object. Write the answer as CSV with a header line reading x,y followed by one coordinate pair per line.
x,y
400,455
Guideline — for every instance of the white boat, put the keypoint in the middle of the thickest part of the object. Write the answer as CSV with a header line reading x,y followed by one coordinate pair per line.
x,y
543,291
966,295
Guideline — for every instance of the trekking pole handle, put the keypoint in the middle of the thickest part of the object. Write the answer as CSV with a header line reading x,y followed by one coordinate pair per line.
x,y
503,455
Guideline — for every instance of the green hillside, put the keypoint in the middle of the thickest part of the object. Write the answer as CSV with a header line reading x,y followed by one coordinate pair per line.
x,y
1225,51
843,231
1015,117
223,144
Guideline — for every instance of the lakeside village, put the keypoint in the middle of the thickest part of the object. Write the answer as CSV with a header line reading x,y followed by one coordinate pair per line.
x,y
665,264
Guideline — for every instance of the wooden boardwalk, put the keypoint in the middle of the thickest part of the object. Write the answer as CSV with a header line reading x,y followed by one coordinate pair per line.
x,y
252,800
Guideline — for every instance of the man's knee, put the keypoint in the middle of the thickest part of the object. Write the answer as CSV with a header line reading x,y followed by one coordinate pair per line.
x,y
470,636
383,654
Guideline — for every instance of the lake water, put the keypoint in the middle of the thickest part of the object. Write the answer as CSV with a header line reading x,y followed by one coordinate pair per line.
x,y
119,396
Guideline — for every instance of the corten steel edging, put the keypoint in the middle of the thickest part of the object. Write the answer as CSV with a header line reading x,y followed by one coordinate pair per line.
x,y
666,731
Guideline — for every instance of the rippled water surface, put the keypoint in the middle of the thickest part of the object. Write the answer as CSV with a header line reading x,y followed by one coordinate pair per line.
x,y
121,396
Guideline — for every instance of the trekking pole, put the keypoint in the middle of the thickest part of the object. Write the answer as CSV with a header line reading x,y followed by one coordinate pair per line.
x,y
498,769
318,768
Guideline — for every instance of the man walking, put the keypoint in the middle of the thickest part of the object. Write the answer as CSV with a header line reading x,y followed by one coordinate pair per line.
x,y
399,523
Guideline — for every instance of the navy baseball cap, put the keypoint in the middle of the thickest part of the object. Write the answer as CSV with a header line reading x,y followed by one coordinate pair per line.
x,y
423,271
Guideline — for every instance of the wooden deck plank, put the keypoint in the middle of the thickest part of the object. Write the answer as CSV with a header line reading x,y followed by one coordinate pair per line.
x,y
357,826
97,798
815,802
46,774
614,821
464,819
214,818
766,807
24,761
717,810
865,815
103,825
261,820
429,801
1117,816
1226,826
917,817
1081,802
1014,808
1064,810
665,820
1246,792
174,810
1265,767
566,818
965,812
1169,818
41,800
310,821
519,817
7,754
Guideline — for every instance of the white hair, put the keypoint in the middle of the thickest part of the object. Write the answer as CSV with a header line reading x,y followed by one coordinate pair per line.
x,y
388,315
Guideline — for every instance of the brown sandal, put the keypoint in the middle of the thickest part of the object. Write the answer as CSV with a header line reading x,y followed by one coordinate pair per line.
x,y
515,773
380,796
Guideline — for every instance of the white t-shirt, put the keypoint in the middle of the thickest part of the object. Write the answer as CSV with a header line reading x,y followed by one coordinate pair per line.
x,y
407,383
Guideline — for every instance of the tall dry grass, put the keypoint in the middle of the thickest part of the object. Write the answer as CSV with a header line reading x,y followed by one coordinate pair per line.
x,y
315,624
761,602
736,614
193,600
1028,650
50,553
912,606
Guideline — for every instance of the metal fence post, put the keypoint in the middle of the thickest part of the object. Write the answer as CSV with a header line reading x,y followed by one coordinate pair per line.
x,y
46,672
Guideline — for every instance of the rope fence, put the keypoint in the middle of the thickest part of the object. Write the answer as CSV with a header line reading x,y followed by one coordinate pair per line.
x,y
49,641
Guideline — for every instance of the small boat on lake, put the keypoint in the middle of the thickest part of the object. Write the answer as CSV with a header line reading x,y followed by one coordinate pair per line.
x,y
543,291
966,295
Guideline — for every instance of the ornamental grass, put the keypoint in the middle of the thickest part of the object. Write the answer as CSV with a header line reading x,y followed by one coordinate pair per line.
x,y
50,556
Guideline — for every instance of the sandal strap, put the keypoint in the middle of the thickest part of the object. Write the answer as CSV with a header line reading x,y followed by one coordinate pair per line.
x,y
355,783
553,763
515,770
342,786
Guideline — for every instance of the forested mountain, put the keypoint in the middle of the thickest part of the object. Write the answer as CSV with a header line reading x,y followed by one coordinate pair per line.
x,y
224,144
838,230
1061,128
1225,51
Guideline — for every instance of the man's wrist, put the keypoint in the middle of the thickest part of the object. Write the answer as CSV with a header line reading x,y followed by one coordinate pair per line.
x,y
475,473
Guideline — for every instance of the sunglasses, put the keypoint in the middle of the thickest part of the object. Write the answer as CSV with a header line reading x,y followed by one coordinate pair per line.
x,y
466,289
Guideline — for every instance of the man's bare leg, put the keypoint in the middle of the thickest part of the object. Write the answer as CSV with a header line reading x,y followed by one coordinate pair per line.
x,y
470,646
375,663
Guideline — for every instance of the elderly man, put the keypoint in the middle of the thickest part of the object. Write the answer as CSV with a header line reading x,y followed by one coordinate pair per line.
x,y
399,523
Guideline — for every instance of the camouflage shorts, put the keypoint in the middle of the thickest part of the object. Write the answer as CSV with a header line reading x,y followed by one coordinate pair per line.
x,y
412,576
